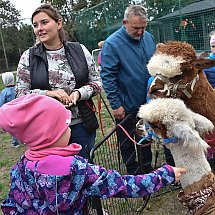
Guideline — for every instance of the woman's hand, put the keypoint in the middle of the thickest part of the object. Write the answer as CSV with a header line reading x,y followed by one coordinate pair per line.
x,y
60,94
74,97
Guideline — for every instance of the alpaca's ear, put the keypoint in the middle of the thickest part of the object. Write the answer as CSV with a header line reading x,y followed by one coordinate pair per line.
x,y
204,63
202,124
160,45
203,55
188,136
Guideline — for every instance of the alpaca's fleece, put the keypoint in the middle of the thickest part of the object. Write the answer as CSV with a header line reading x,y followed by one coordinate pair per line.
x,y
166,65
178,120
178,73
171,58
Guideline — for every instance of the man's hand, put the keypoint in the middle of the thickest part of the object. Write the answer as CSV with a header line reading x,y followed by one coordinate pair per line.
x,y
119,113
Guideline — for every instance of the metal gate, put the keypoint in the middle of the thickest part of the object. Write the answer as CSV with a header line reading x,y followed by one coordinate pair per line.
x,y
107,154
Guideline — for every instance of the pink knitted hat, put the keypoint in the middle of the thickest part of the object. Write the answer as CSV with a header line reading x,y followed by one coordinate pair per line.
x,y
39,121
212,40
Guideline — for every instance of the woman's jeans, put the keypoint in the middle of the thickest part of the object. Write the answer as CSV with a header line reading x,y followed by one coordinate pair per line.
x,y
80,135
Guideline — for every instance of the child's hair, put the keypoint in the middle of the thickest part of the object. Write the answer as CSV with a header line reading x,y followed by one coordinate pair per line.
x,y
53,14
100,44
8,78
212,33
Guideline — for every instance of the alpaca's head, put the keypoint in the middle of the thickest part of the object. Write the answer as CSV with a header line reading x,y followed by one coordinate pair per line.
x,y
175,62
170,118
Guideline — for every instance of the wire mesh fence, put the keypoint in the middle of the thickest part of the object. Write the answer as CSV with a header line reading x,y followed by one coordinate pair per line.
x,y
107,153
192,23
97,23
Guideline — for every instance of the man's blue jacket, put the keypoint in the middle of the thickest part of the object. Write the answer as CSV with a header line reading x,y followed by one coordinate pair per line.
x,y
124,73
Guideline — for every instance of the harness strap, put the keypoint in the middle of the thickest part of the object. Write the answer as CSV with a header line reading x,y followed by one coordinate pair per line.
x,y
173,87
186,93
149,137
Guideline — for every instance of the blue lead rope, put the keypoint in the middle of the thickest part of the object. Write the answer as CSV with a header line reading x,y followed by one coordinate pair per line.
x,y
151,134
169,140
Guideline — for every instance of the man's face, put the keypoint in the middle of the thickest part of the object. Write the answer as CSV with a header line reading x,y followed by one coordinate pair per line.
x,y
135,26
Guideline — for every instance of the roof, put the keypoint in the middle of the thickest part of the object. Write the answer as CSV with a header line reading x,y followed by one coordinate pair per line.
x,y
192,8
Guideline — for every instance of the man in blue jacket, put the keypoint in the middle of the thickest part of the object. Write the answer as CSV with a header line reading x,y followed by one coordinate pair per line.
x,y
124,57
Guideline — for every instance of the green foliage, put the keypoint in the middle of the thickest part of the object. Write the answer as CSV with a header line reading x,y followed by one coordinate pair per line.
x,y
8,157
68,9
14,38
25,37
159,8
1,84
9,17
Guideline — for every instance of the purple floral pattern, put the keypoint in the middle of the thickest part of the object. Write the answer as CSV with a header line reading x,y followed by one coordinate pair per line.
x,y
35,193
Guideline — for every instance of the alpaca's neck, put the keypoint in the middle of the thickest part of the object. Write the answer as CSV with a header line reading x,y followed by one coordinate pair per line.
x,y
194,161
202,100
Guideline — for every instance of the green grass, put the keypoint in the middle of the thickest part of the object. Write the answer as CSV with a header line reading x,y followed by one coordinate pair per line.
x,y
1,84
8,157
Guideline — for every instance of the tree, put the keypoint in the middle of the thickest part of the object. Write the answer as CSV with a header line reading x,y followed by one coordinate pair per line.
x,y
9,18
68,10
8,14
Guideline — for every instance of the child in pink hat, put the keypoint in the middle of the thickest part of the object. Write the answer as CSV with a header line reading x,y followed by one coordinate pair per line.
x,y
50,177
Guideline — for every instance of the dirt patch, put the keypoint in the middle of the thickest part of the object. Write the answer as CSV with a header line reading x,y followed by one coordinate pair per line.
x,y
167,204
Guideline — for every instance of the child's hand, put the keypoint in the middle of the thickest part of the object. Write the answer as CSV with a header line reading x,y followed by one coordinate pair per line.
x,y
178,173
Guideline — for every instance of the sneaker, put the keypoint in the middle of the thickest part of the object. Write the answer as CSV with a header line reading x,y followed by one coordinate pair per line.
x,y
15,144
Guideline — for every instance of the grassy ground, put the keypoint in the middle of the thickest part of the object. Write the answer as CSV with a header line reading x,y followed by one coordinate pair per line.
x,y
165,204
8,157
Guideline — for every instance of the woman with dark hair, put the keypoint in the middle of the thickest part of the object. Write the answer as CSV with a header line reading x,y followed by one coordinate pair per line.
x,y
63,70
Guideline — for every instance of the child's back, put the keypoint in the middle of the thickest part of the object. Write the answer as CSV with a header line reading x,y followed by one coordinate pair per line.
x,y
7,95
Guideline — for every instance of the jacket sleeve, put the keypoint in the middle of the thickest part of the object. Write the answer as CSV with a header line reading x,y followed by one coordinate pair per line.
x,y
2,97
109,73
109,183
94,84
23,80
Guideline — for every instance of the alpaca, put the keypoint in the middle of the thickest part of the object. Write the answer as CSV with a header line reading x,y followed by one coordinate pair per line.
x,y
179,74
170,122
